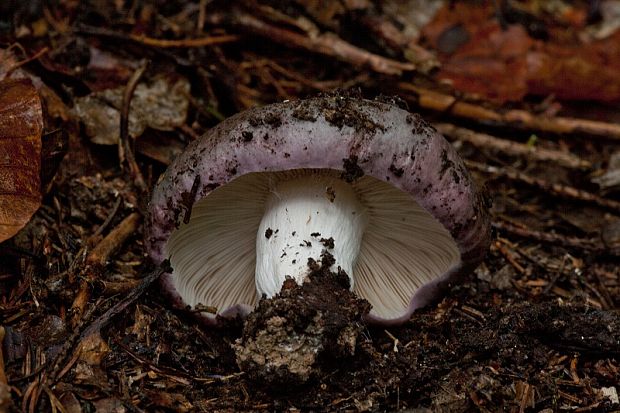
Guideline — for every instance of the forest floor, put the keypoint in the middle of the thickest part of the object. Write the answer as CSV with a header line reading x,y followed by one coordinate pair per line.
x,y
529,97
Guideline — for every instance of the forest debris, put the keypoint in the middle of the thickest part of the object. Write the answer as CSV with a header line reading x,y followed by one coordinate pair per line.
x,y
99,257
518,118
102,252
411,16
169,400
125,147
21,125
54,148
611,394
484,141
93,349
70,402
160,105
462,361
571,242
328,44
106,317
5,390
287,336
505,60
557,189
610,180
109,404
162,148
610,20
611,234
185,43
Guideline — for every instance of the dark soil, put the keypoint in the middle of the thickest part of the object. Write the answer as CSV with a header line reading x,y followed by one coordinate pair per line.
x,y
303,333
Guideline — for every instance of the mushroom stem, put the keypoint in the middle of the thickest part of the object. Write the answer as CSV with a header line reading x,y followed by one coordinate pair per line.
x,y
304,216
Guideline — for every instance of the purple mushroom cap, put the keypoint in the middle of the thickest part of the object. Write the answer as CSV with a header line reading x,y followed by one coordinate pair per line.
x,y
248,204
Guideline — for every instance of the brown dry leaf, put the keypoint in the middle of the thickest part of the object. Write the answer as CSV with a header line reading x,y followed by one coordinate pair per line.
x,y
160,105
70,402
173,401
94,349
110,405
21,125
610,179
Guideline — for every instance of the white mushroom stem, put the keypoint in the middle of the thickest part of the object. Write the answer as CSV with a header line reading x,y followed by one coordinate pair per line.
x,y
299,213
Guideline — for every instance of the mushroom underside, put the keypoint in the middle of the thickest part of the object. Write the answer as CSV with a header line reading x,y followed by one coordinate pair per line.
x,y
403,247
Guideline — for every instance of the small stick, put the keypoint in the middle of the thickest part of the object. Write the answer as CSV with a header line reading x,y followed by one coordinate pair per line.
x,y
106,317
27,60
437,101
509,257
482,140
114,240
125,150
111,288
571,242
99,256
185,43
5,391
557,189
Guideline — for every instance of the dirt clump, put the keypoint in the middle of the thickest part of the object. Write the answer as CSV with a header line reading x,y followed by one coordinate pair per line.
x,y
295,335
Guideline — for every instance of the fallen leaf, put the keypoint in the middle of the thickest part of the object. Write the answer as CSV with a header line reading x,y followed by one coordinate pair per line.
x,y
481,57
109,406
94,349
160,105
21,125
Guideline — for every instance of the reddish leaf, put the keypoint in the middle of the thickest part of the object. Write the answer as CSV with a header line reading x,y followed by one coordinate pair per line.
x,y
21,124
505,64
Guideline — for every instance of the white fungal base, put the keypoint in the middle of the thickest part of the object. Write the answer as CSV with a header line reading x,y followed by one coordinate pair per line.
x,y
303,217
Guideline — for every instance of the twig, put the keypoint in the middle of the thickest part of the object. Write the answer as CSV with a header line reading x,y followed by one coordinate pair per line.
x,y
80,333
125,151
69,345
17,65
106,317
108,219
552,238
437,101
482,140
598,273
114,240
185,43
327,44
509,256
99,256
557,189
5,390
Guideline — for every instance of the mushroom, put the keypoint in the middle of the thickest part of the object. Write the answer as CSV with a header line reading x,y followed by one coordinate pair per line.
x,y
264,193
